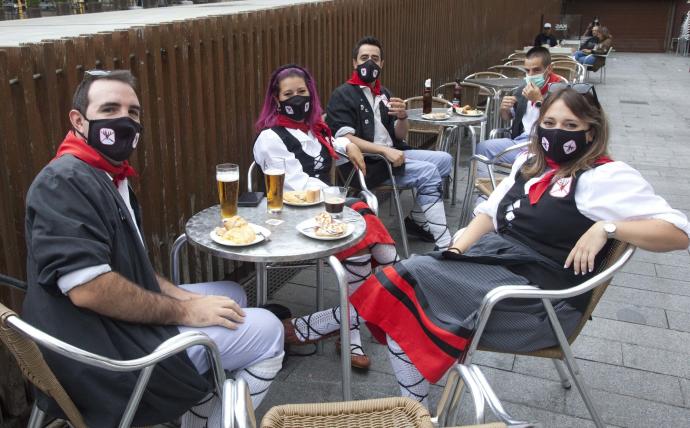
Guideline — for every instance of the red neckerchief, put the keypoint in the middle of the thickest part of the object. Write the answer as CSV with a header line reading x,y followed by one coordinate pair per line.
x,y
77,147
537,189
318,129
356,80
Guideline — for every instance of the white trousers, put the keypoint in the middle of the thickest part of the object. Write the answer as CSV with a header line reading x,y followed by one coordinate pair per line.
x,y
258,338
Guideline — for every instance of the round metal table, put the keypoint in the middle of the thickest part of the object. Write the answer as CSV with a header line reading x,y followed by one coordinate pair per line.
x,y
285,244
500,86
451,127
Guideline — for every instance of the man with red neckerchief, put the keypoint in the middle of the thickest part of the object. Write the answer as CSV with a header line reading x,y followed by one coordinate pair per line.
x,y
363,111
92,285
522,107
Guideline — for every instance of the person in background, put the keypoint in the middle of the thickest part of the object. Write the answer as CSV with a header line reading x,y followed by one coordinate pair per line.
x,y
589,31
290,127
589,56
591,42
548,224
92,285
522,107
545,37
363,111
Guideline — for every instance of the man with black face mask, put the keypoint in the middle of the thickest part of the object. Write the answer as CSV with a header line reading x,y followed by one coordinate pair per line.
x,y
363,111
92,285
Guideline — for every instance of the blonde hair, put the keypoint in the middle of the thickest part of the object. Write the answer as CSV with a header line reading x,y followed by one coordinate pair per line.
x,y
584,107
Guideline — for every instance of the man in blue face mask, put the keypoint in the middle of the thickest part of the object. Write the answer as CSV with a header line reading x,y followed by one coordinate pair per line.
x,y
522,107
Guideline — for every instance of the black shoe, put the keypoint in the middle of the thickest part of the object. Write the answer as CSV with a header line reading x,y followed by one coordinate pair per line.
x,y
414,229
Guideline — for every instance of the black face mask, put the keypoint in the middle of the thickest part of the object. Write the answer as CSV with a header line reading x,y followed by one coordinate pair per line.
x,y
368,71
561,145
115,138
296,107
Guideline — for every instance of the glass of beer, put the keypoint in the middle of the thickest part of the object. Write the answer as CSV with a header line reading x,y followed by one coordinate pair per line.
x,y
334,198
228,179
274,172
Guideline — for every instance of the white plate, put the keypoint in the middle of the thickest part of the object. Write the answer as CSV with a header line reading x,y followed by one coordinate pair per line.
x,y
470,115
432,116
305,204
307,228
261,234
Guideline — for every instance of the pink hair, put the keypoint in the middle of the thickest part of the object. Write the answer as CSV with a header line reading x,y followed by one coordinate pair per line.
x,y
269,111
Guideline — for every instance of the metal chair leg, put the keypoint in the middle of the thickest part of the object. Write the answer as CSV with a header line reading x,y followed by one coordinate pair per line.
x,y
572,365
36,418
565,380
401,220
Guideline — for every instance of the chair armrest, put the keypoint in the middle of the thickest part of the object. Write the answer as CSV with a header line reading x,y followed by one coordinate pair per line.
x,y
510,149
497,131
503,292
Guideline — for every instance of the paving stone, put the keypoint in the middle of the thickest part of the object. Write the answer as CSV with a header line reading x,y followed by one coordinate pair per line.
x,y
678,320
546,418
607,377
596,349
629,411
527,390
630,313
648,298
640,268
636,334
675,258
685,386
660,285
657,360
681,273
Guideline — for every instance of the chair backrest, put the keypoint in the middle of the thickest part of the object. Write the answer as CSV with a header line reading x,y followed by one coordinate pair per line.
x,y
486,75
416,102
35,369
509,70
566,74
516,62
564,63
518,55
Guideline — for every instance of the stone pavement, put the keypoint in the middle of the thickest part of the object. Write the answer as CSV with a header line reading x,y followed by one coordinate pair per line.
x,y
635,354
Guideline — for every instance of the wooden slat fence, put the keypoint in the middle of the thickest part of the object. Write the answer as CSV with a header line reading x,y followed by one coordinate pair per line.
x,y
201,83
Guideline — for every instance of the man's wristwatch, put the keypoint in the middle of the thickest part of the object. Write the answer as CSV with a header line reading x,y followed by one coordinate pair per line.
x,y
537,104
610,230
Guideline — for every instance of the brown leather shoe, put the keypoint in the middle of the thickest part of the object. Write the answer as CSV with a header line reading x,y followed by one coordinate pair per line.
x,y
357,361
292,338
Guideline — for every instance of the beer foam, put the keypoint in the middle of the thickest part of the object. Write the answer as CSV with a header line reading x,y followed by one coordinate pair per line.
x,y
274,171
228,176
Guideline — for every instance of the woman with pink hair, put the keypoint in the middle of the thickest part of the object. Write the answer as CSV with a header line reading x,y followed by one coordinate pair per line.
x,y
290,127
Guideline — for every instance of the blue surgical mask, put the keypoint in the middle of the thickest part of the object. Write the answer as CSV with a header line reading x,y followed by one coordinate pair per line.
x,y
538,80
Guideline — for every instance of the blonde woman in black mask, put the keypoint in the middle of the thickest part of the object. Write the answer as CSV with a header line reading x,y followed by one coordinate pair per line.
x,y
547,224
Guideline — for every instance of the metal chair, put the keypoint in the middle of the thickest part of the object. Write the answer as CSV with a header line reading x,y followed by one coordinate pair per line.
x,y
509,70
573,65
565,74
618,254
518,55
380,412
515,62
22,339
602,69
486,75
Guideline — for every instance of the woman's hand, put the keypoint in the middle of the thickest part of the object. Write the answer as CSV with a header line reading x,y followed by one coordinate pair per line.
x,y
356,157
587,247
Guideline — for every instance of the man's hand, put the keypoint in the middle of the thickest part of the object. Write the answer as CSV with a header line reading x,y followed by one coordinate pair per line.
x,y
395,156
356,157
397,108
508,102
532,92
212,310
587,51
582,255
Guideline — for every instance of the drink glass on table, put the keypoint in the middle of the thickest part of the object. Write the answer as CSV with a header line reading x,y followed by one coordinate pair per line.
x,y
274,172
228,179
334,199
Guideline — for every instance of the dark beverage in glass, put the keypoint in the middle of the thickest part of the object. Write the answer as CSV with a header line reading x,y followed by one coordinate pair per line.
x,y
456,95
334,205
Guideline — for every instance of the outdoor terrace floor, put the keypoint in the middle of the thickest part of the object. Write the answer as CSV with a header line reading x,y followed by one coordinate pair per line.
x,y
635,354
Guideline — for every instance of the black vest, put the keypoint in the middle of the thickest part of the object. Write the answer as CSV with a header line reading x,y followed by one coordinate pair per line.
x,y
551,227
317,167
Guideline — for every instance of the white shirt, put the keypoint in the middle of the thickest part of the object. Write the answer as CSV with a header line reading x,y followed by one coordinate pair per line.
x,y
531,115
610,192
269,144
381,135
84,275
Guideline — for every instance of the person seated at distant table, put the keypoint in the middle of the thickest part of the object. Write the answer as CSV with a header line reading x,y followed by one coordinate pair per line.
x,y
545,37
602,43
